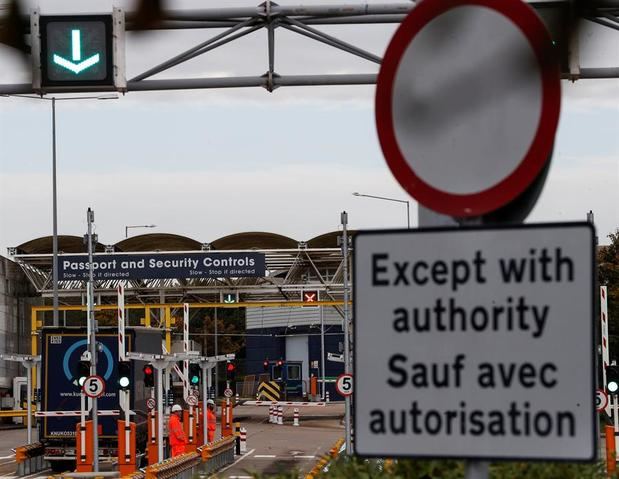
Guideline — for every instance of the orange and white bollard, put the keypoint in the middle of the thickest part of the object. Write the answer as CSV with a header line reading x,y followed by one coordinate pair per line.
x,y
243,440
84,450
271,415
611,455
295,421
280,415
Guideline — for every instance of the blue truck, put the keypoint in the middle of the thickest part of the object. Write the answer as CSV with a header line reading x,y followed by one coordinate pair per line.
x,y
61,350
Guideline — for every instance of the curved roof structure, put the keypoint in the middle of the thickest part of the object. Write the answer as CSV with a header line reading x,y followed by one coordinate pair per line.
x,y
254,240
291,267
172,242
157,242
66,244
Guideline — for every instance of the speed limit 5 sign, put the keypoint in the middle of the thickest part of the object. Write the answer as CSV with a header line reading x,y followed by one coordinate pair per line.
x,y
343,384
94,386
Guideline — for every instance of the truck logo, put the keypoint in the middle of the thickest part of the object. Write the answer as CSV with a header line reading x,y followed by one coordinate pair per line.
x,y
67,359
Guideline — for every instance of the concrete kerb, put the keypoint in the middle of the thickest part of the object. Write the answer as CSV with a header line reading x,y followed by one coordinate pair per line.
x,y
334,452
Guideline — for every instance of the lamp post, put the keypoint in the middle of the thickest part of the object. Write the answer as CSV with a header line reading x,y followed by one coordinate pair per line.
x,y
137,226
54,192
408,211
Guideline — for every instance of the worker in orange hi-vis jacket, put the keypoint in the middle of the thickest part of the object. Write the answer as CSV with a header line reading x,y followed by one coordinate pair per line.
x,y
211,420
176,434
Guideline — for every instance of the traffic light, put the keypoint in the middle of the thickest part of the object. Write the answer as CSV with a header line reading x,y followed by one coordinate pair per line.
x,y
612,379
310,296
124,375
149,375
265,365
194,374
230,371
77,52
280,363
83,371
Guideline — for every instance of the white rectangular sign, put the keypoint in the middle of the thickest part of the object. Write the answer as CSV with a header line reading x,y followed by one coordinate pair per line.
x,y
475,342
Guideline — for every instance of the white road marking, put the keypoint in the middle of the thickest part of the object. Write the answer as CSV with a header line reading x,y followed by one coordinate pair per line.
x,y
12,456
239,477
306,457
251,451
265,456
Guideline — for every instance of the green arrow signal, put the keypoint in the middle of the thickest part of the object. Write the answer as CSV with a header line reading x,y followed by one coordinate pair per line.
x,y
76,53
229,298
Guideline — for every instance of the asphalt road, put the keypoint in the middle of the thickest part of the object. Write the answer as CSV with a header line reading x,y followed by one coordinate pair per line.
x,y
270,448
10,438
273,448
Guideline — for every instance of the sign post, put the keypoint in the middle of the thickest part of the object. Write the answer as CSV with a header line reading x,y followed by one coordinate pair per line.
x,y
482,340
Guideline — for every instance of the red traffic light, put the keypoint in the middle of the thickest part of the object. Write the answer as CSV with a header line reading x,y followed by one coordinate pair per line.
x,y
230,367
148,370
280,362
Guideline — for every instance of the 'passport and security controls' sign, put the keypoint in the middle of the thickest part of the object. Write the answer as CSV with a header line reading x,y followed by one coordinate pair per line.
x,y
162,266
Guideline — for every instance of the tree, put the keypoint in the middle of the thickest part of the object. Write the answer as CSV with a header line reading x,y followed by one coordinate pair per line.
x,y
608,275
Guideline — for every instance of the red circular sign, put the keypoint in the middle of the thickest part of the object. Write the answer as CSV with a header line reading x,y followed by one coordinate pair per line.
x,y
522,170
344,384
94,386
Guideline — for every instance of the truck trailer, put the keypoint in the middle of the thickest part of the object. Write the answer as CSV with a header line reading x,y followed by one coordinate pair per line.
x,y
61,350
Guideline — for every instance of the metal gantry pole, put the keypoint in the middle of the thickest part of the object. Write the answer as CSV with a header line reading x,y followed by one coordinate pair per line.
x,y
28,366
160,416
216,353
92,340
347,368
54,221
203,365
322,353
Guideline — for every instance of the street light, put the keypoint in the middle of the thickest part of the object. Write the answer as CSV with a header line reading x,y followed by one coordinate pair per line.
x,y
137,226
55,320
408,213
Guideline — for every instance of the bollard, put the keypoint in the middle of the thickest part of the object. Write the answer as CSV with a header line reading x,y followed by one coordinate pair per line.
x,y
296,417
243,440
237,437
611,456
271,413
236,399
280,415
327,393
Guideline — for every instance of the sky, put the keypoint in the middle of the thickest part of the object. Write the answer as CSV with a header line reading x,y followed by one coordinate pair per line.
x,y
208,163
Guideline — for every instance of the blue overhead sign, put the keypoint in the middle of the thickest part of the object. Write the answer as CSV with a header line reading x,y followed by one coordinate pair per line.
x,y
162,266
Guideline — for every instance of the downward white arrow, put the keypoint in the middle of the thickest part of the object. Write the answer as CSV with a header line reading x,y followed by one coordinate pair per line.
x,y
76,67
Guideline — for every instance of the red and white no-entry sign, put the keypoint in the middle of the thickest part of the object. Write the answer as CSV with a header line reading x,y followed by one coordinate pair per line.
x,y
467,103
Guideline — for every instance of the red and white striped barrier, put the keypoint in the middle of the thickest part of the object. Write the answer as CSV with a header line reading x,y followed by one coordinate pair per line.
x,y
295,421
111,412
605,349
271,413
122,351
284,403
280,415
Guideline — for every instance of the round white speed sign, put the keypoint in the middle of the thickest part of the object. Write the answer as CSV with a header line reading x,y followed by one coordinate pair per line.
x,y
601,400
94,386
343,384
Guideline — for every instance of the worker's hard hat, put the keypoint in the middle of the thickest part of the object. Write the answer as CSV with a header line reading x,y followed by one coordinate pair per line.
x,y
176,408
211,402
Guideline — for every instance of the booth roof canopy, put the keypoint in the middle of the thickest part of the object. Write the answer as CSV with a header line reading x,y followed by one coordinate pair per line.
x,y
172,242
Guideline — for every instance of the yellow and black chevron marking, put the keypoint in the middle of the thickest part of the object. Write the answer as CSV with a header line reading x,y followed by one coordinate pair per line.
x,y
269,391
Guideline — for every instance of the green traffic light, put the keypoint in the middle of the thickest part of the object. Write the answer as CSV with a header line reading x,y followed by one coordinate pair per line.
x,y
76,56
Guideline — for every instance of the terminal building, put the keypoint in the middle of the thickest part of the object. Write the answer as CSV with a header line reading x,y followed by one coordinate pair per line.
x,y
293,313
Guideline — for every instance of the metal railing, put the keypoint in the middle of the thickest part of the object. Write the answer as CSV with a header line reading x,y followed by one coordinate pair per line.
x,y
179,467
29,459
218,454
